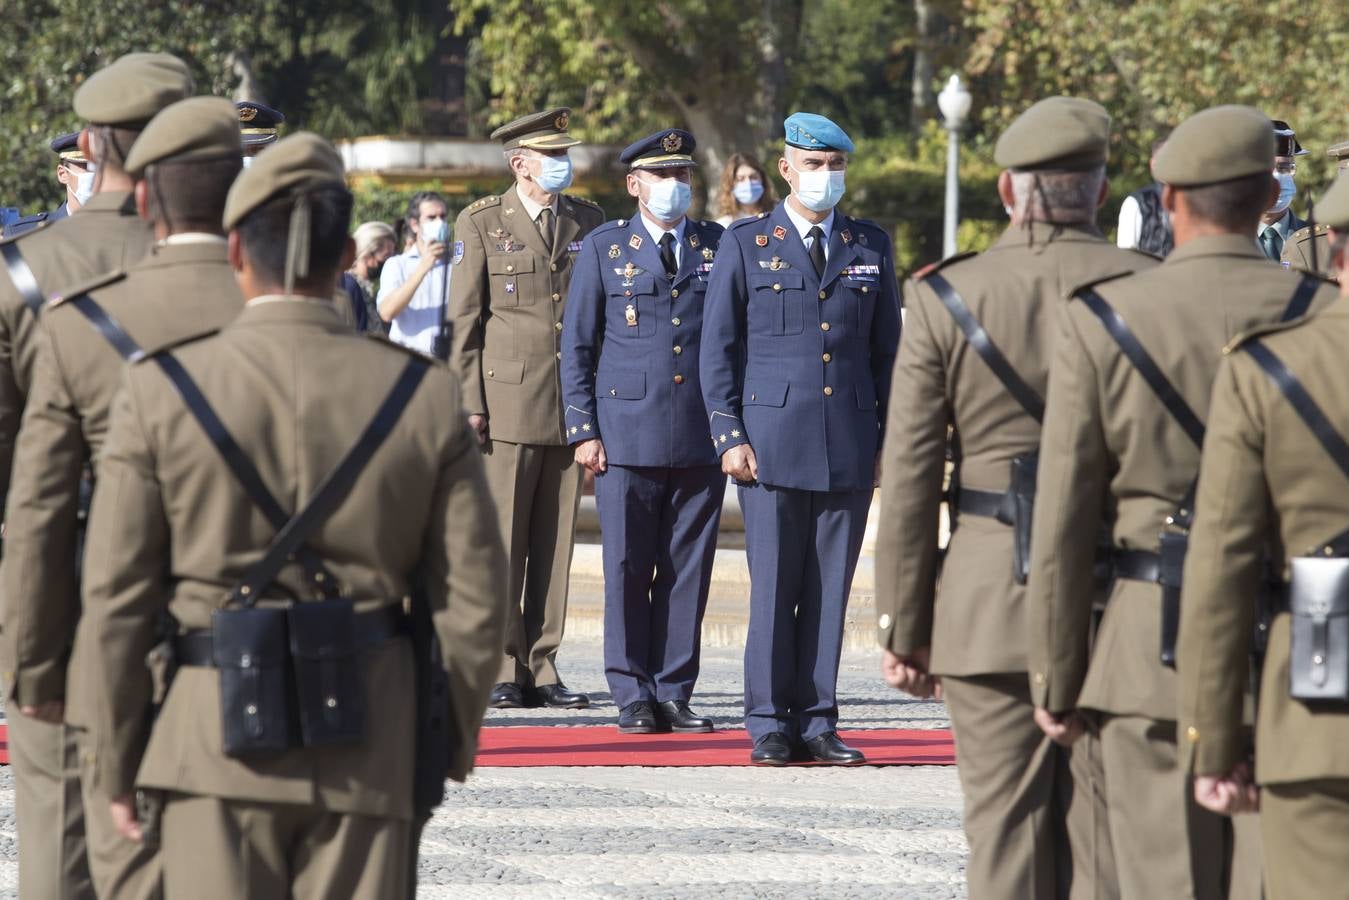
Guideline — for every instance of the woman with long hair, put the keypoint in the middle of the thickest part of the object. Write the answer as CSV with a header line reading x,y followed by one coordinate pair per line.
x,y
745,190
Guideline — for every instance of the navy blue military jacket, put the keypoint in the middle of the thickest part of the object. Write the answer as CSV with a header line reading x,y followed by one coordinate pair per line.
x,y
630,340
28,223
798,365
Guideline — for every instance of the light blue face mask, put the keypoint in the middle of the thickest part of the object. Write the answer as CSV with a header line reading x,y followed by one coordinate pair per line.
x,y
668,199
84,185
819,190
1287,191
438,232
747,192
554,173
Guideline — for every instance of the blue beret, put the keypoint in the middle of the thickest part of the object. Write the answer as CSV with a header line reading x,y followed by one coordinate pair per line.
x,y
811,132
666,149
258,122
67,146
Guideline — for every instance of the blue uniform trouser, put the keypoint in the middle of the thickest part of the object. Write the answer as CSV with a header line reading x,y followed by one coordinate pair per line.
x,y
659,527
803,548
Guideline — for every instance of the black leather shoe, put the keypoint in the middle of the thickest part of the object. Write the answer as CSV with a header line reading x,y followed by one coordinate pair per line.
x,y
558,697
828,749
680,718
639,718
506,695
771,750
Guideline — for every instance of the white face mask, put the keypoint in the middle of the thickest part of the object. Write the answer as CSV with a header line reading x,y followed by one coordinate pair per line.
x,y
84,185
554,174
248,161
1287,191
819,190
747,192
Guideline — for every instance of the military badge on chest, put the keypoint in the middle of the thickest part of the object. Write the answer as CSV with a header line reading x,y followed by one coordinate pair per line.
x,y
505,243
629,271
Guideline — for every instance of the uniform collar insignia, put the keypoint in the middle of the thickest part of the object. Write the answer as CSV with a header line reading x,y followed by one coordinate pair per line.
x,y
779,232
635,242
614,251
847,236
761,240
693,241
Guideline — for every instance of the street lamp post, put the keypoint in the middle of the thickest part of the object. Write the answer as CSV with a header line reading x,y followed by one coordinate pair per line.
x,y
954,102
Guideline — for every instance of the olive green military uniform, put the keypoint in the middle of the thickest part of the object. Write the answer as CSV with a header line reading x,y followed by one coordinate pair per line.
x,y
105,235
1017,783
172,529
1268,485
1112,453
183,287
1308,249
507,296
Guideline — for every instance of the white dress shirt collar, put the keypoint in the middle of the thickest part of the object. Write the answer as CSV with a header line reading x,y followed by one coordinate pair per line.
x,y
803,226
656,230
533,209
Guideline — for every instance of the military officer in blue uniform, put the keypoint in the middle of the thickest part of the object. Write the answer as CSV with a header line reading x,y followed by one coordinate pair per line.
x,y
799,338
259,127
74,172
634,413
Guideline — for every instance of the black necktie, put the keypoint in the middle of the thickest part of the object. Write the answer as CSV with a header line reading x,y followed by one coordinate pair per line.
x,y
817,249
546,228
667,256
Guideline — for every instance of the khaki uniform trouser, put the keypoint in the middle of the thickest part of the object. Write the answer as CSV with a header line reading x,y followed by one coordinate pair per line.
x,y
1165,844
49,811
1304,825
1034,812
121,869
218,849
537,490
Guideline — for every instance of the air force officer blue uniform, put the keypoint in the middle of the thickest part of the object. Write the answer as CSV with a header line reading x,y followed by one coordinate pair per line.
x,y
798,365
630,343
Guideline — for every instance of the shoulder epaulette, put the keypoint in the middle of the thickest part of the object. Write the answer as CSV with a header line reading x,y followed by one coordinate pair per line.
x,y
483,203
941,264
743,223
585,201
1261,330
611,225
1303,234
34,230
179,344
85,287
1143,253
1113,276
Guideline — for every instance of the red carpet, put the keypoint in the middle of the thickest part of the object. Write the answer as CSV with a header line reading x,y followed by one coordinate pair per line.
x,y
601,745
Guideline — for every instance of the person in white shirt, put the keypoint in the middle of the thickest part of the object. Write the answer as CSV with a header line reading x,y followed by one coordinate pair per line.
x,y
414,286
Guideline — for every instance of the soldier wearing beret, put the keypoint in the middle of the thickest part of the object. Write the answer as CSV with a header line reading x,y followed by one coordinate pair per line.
x,y
180,527
183,164
1308,249
1271,484
1279,224
1133,363
634,413
968,627
75,174
259,127
512,264
115,103
799,337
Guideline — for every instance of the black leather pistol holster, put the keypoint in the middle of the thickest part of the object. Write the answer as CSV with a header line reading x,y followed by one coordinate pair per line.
x,y
250,653
1021,498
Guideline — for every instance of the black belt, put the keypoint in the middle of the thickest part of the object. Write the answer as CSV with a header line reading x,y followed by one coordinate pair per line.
x,y
1136,565
194,648
990,504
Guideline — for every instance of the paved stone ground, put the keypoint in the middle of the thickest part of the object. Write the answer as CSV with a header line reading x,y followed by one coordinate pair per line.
x,y
673,833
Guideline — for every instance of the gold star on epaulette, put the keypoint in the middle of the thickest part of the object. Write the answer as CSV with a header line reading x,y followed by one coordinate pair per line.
x,y
734,433
723,438
573,429
585,427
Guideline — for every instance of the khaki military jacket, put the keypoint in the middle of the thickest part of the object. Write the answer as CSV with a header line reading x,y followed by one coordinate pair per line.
x,y
1298,251
507,295
1112,453
175,292
171,528
974,617
105,235
1267,482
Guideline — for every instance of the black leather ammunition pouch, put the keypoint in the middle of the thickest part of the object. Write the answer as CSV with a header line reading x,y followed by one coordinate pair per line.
x,y
1318,600
327,672
249,649
1172,554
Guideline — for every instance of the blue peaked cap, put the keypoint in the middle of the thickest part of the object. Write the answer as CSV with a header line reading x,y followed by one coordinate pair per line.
x,y
811,132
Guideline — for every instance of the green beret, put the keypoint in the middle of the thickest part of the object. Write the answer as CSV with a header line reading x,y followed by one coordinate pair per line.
x,y
1056,133
1219,144
195,128
133,89
1333,208
545,130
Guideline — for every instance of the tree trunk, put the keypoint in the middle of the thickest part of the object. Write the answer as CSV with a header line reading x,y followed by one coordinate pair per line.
x,y
921,97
